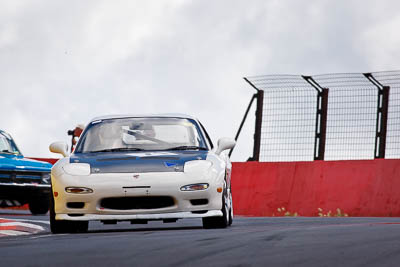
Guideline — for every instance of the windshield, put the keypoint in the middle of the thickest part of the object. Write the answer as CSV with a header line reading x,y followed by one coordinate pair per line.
x,y
7,144
141,134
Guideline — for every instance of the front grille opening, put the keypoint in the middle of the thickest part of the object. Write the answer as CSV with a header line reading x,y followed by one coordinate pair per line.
x,y
137,203
196,202
20,177
75,205
76,215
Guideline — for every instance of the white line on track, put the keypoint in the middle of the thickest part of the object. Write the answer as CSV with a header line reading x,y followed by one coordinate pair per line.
x,y
28,225
11,227
12,232
43,236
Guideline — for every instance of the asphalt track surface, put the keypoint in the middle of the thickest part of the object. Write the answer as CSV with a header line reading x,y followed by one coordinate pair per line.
x,y
271,241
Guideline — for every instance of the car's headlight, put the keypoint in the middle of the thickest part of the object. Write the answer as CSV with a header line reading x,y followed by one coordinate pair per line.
x,y
197,166
194,187
77,169
78,190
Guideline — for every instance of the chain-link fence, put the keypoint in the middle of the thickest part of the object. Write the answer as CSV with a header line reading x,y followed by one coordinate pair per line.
x,y
345,116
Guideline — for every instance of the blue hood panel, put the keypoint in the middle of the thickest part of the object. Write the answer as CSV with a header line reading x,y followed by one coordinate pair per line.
x,y
138,162
19,163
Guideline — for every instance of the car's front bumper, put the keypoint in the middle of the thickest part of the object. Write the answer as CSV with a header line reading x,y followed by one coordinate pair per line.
x,y
125,185
127,217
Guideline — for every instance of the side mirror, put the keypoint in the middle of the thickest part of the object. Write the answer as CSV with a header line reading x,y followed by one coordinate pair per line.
x,y
225,143
60,148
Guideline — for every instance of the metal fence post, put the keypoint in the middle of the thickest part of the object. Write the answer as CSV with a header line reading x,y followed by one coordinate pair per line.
x,y
257,132
381,116
243,120
259,113
321,118
322,115
384,119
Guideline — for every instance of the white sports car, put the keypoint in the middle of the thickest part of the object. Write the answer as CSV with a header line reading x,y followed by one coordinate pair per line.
x,y
138,169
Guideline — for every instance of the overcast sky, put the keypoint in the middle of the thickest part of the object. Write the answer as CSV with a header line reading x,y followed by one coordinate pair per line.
x,y
65,62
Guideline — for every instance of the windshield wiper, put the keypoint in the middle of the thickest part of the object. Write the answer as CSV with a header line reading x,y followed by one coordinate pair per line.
x,y
8,152
117,149
187,148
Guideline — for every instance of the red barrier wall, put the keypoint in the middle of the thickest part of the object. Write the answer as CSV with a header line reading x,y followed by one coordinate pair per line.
x,y
358,188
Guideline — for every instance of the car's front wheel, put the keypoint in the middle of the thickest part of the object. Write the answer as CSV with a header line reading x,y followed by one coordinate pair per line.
x,y
60,227
224,220
39,206
231,209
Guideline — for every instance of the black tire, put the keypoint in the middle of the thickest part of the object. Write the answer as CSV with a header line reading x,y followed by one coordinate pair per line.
x,y
56,227
39,206
210,223
61,227
231,209
80,226
218,222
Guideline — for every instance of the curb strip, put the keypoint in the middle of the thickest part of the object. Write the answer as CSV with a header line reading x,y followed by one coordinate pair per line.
x,y
14,228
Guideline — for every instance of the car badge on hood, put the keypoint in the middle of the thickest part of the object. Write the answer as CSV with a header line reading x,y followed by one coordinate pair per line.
x,y
172,165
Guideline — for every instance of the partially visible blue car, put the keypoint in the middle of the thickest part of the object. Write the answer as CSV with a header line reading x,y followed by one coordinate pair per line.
x,y
22,180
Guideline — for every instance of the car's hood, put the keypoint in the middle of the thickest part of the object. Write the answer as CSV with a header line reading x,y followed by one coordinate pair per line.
x,y
10,162
137,162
